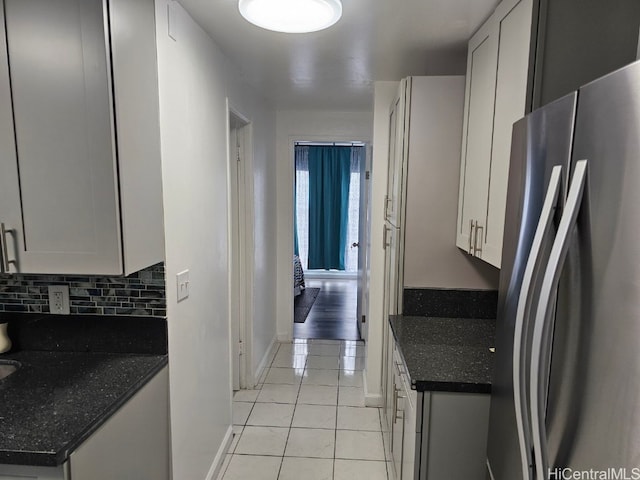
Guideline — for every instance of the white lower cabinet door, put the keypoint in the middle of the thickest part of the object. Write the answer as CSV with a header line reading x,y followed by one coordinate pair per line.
x,y
134,443
410,462
454,436
24,472
397,428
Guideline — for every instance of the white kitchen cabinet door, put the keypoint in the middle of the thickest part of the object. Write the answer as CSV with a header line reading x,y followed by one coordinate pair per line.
x,y
24,472
410,461
397,426
477,132
133,443
408,403
388,391
62,171
68,215
511,88
398,137
495,97
454,436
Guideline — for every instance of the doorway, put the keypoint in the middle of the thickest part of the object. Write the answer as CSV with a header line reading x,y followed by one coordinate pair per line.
x,y
240,248
331,225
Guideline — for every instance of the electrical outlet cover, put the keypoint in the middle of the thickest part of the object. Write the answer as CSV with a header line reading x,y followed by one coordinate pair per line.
x,y
59,299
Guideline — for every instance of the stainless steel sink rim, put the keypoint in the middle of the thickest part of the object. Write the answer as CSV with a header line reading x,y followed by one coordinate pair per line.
x,y
7,367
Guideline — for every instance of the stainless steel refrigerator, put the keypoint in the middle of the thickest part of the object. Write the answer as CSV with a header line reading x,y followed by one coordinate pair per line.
x,y
566,391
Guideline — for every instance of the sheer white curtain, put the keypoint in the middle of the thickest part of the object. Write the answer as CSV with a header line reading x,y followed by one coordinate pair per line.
x,y
302,205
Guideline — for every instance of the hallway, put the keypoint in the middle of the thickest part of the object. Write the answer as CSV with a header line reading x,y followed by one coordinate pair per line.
x,y
306,419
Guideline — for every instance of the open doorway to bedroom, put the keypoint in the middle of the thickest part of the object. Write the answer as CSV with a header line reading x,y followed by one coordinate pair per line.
x,y
330,221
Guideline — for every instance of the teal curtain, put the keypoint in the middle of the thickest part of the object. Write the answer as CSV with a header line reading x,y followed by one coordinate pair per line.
x,y
329,175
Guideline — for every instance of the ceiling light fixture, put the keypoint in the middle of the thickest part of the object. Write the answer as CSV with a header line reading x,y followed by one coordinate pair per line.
x,y
291,16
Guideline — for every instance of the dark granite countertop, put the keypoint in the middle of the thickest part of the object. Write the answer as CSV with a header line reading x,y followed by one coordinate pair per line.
x,y
75,373
446,354
56,400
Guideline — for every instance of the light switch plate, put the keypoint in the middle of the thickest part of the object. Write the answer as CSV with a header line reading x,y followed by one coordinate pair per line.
x,y
182,280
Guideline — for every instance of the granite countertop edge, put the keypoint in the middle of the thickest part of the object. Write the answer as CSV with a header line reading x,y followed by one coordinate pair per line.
x,y
57,458
420,384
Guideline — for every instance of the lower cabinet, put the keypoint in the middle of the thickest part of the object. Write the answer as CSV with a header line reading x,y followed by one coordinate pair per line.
x,y
454,436
405,428
132,445
20,472
432,435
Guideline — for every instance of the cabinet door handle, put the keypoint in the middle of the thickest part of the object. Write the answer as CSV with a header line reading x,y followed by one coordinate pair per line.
x,y
387,201
384,237
4,264
395,403
399,415
471,246
478,249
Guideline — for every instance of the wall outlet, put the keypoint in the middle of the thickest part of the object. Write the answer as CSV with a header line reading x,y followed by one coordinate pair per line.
x,y
59,299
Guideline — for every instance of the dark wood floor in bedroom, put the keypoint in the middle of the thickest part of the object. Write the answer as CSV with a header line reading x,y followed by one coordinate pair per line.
x,y
333,315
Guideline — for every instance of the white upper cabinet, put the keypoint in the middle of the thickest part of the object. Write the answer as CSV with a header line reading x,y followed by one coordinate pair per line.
x,y
495,97
80,178
398,145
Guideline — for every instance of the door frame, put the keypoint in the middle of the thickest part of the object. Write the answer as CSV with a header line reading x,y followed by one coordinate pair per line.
x,y
361,278
240,247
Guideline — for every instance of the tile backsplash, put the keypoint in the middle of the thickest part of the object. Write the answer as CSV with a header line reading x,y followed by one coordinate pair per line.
x,y
141,293
442,302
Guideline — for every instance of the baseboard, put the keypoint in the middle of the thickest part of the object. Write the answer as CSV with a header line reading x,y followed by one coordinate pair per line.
x,y
220,456
371,399
266,359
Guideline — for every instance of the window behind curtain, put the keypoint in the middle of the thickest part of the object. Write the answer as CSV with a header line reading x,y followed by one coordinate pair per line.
x,y
302,205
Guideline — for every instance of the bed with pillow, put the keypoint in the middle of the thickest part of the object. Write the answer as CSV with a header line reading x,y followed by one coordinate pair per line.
x,y
298,276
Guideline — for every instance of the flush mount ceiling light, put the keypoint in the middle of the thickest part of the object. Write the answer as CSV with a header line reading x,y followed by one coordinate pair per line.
x,y
291,16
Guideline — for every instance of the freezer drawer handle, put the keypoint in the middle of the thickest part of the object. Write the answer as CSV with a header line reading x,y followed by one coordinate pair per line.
x,y
533,264
544,321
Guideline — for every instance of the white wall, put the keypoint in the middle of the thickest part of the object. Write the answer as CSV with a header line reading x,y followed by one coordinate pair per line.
x,y
195,80
290,127
431,258
383,96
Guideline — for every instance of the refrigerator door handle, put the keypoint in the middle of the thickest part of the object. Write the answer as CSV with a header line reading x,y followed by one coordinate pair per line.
x,y
542,332
519,367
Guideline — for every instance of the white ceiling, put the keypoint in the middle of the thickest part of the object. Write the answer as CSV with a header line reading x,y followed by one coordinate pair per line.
x,y
334,69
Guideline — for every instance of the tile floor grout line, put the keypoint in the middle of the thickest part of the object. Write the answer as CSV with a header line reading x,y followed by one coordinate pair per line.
x,y
295,406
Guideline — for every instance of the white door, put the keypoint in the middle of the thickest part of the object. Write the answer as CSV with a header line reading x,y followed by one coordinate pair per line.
x,y
364,227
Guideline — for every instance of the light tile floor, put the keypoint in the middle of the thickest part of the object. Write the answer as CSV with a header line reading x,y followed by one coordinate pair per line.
x,y
306,419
